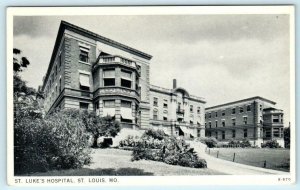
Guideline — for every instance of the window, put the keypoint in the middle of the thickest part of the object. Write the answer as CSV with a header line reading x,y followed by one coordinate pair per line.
x,y
198,110
233,121
55,70
275,118
59,60
217,135
216,114
209,115
126,74
83,105
155,101
155,114
233,111
109,103
248,108
205,125
241,109
245,133
198,132
223,135
223,123
260,107
125,78
216,124
84,55
223,113
245,120
165,105
109,77
276,132
191,122
125,104
233,133
205,116
84,81
191,108
60,85
125,83
165,115
209,124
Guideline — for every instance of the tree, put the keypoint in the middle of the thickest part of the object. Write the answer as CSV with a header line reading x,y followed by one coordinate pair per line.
x,y
18,61
100,126
287,137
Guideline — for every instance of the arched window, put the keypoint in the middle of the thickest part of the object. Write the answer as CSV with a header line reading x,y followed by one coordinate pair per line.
x,y
155,114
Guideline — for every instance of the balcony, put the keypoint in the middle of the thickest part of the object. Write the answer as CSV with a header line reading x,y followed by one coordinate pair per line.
x,y
117,60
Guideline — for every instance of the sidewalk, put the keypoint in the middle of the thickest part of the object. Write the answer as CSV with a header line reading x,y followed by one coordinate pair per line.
x,y
228,167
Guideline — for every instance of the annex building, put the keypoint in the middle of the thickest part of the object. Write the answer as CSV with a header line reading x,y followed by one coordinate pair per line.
x,y
91,72
255,119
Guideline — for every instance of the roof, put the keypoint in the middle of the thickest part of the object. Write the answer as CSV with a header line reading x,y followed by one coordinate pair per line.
x,y
170,91
240,101
65,25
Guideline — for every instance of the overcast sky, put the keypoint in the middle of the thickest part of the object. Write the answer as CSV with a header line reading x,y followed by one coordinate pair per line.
x,y
222,58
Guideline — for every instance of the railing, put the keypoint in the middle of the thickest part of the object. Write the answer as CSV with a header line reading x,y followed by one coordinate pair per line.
x,y
117,59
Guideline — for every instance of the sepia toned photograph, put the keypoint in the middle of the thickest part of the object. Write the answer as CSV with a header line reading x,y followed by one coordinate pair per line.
x,y
163,92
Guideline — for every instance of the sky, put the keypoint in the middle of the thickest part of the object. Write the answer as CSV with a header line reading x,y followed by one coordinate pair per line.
x,y
222,58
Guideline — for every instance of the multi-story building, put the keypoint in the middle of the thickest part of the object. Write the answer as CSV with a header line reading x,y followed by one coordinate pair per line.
x,y
254,119
89,71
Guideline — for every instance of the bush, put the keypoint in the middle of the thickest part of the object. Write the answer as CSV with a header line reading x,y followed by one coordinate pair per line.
x,y
244,143
156,134
56,142
158,146
211,142
271,144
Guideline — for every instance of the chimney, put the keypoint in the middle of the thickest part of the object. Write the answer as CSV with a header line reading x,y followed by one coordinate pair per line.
x,y
174,83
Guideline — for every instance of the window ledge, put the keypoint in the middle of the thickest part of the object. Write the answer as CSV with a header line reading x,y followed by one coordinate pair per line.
x,y
84,62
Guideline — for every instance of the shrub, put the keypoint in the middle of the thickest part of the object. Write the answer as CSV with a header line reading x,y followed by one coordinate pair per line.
x,y
168,149
211,142
270,144
156,134
56,142
244,143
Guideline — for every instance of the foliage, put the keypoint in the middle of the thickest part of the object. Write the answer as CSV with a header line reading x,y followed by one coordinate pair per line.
x,y
156,134
100,126
18,61
211,142
158,146
130,141
56,142
243,144
287,137
270,144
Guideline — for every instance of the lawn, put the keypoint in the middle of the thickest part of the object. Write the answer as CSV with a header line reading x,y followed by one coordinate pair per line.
x,y
277,159
115,162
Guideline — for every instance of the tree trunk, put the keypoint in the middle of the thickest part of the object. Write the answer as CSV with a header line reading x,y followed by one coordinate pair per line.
x,y
95,144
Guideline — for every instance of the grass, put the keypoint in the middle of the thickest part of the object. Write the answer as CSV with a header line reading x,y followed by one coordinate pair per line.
x,y
115,162
277,159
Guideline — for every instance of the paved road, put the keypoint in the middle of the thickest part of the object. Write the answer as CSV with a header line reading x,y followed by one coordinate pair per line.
x,y
228,167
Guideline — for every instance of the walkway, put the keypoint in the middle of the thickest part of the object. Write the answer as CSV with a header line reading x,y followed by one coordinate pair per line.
x,y
228,167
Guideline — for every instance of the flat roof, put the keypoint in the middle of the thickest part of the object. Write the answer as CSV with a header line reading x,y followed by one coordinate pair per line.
x,y
66,25
240,101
